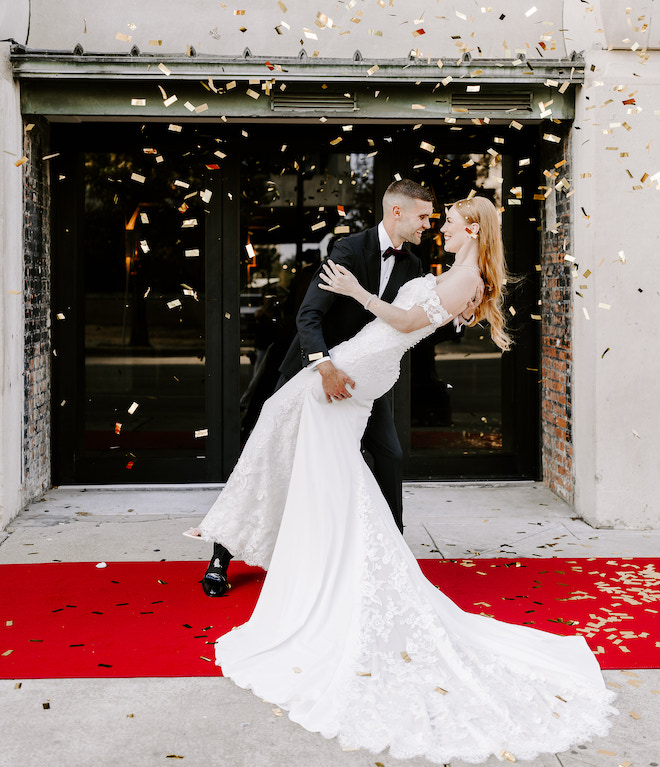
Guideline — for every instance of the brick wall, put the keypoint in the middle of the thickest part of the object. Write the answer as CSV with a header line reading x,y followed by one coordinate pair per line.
x,y
37,367
556,313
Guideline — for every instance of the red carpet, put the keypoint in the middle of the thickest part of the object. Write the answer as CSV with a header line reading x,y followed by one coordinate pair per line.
x,y
140,619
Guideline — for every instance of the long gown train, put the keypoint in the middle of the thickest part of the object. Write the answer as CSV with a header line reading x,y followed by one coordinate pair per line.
x,y
348,635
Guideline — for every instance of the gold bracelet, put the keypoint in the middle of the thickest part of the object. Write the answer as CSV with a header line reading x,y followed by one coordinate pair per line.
x,y
369,300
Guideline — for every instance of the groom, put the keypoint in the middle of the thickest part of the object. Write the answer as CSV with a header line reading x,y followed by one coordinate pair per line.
x,y
381,262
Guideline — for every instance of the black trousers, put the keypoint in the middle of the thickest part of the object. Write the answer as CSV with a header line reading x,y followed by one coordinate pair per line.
x,y
381,441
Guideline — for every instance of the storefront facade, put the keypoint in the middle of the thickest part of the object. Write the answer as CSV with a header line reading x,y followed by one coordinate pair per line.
x,y
179,183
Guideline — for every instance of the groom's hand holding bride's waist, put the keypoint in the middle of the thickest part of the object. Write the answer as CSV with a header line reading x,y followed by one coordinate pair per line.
x,y
334,381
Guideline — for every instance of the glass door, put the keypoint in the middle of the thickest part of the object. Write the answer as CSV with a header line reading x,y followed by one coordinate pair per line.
x,y
144,286
466,410
132,207
296,200
180,259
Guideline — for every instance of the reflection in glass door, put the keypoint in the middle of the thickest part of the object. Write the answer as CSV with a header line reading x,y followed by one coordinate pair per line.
x,y
468,410
457,407
295,204
144,295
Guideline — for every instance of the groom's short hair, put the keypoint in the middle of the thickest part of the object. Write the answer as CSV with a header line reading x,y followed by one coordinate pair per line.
x,y
406,188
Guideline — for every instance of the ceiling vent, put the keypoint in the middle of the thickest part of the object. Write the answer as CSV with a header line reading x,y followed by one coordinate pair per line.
x,y
284,101
492,102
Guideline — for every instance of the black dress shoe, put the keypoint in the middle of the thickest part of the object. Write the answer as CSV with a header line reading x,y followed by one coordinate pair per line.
x,y
215,582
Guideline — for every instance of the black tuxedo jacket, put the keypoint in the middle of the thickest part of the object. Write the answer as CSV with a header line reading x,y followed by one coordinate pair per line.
x,y
326,319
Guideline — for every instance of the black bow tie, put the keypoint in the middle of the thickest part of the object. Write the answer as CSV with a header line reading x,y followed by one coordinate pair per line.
x,y
398,254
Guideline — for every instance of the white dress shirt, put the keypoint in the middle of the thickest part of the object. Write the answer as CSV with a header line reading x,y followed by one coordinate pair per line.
x,y
386,264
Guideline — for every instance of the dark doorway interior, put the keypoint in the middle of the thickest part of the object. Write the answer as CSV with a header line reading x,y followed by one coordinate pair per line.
x,y
180,258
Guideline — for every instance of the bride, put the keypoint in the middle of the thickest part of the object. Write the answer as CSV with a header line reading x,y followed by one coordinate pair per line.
x,y
348,635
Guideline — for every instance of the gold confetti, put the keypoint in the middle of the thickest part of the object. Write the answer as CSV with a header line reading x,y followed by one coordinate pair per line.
x,y
277,711
6,653
164,70
507,755
297,670
405,656
201,433
20,162
441,690
171,100
133,408
124,38
357,673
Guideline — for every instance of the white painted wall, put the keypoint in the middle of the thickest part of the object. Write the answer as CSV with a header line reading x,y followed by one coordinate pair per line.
x,y
378,31
13,23
616,237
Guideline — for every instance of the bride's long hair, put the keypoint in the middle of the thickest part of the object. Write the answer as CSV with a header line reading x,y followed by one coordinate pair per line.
x,y
480,210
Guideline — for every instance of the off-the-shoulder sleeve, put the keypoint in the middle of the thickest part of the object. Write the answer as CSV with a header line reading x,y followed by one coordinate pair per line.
x,y
429,300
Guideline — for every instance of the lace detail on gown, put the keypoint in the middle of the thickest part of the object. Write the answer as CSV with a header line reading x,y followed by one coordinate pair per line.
x,y
348,636
246,517
431,680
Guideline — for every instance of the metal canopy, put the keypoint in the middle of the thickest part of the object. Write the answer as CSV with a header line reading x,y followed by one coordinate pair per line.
x,y
63,85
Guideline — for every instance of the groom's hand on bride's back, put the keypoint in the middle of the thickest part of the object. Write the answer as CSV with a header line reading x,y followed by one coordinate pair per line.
x,y
334,381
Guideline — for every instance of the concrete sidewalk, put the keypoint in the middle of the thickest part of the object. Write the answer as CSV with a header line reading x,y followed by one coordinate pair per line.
x,y
208,722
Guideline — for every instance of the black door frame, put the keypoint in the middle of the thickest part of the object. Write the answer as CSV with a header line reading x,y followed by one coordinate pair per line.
x,y
70,464
520,457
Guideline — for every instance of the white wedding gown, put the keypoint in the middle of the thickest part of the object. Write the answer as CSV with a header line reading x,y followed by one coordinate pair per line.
x,y
348,635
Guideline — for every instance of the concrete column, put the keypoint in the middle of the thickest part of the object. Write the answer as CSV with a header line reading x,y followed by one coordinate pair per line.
x,y
11,295
14,24
617,311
